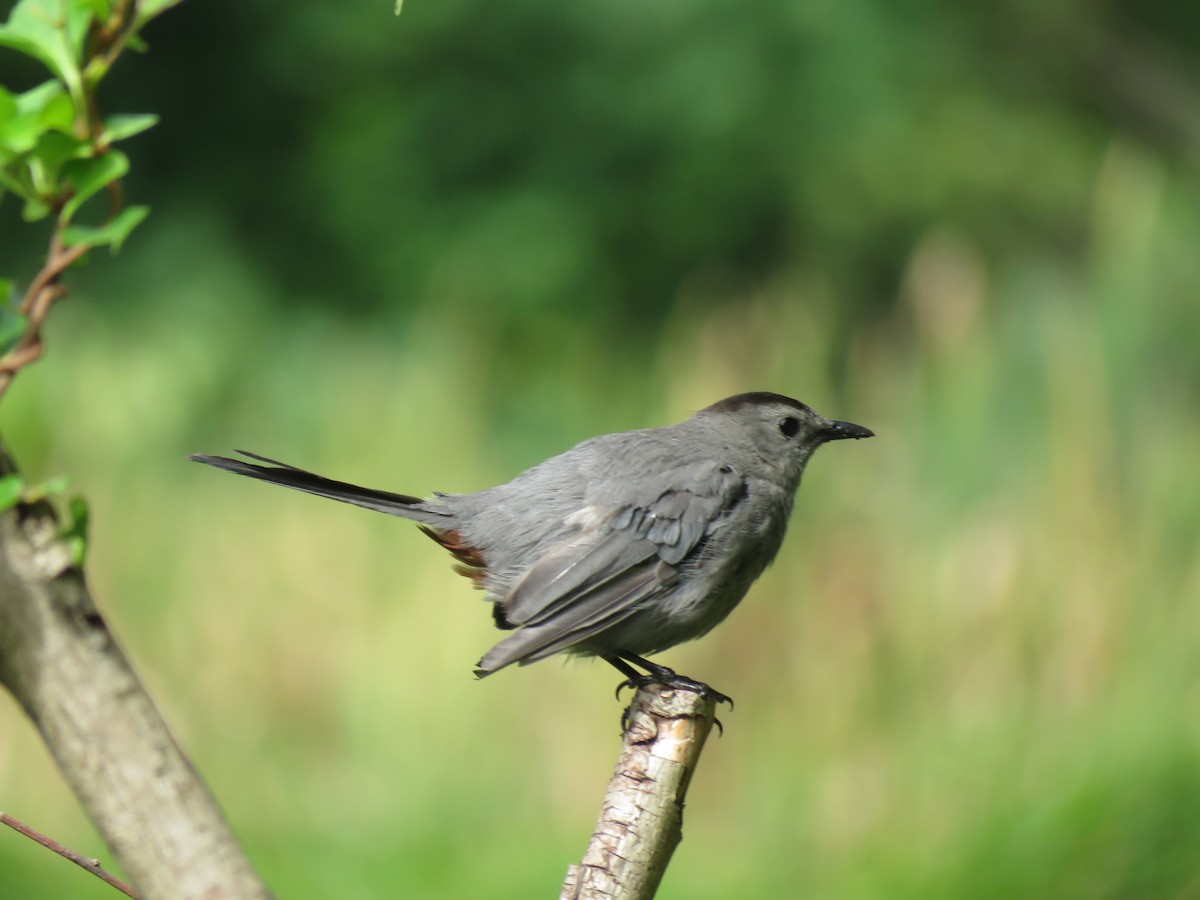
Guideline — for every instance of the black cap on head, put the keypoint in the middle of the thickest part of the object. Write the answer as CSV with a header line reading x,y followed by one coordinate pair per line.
x,y
754,398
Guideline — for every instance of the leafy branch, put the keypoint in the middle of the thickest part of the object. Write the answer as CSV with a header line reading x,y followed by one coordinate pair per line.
x,y
56,149
58,658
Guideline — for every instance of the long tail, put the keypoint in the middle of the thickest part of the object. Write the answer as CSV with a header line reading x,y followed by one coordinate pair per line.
x,y
277,472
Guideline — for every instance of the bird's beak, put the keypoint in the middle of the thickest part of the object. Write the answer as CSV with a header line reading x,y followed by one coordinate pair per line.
x,y
840,431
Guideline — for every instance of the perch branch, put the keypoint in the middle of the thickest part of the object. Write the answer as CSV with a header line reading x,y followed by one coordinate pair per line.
x,y
641,822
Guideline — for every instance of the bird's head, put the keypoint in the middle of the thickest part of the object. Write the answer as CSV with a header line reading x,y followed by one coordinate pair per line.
x,y
780,432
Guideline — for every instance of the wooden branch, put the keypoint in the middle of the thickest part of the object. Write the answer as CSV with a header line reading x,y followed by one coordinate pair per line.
x,y
63,665
641,822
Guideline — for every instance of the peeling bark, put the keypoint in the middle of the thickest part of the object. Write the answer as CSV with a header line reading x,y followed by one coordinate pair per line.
x,y
641,822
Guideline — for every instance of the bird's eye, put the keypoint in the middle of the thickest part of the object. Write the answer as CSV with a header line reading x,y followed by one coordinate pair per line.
x,y
790,426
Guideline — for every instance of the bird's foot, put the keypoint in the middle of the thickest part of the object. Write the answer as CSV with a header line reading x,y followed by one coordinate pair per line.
x,y
671,679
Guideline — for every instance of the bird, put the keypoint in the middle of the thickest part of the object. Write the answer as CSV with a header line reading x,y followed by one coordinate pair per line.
x,y
623,546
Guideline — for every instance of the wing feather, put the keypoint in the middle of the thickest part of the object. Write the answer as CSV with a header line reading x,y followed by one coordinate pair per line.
x,y
585,618
629,553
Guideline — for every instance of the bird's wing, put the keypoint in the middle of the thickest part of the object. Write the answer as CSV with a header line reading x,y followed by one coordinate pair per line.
x,y
627,553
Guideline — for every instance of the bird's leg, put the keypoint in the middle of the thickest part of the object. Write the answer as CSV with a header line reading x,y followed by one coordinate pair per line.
x,y
631,674
656,674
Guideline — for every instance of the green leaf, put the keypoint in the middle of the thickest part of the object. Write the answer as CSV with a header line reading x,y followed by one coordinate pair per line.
x,y
40,170
38,98
35,143
8,106
44,108
77,547
112,234
51,32
35,209
87,176
19,134
11,489
75,534
9,182
117,128
99,9
55,148
148,9
51,105
95,70
58,113
53,487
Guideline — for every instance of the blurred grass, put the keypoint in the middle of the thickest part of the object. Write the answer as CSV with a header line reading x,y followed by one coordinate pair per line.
x,y
972,672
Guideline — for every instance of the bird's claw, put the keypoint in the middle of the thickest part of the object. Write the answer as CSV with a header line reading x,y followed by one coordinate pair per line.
x,y
670,679
698,686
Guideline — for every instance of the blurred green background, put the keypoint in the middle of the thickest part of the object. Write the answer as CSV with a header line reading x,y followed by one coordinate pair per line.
x,y
424,253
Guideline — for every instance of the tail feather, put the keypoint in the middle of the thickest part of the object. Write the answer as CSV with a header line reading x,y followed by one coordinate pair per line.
x,y
281,473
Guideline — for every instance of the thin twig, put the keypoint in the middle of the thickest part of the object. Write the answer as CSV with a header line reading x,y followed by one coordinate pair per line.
x,y
58,260
44,291
118,30
84,862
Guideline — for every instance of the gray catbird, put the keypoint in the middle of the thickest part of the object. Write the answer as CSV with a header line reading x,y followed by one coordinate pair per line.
x,y
626,545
